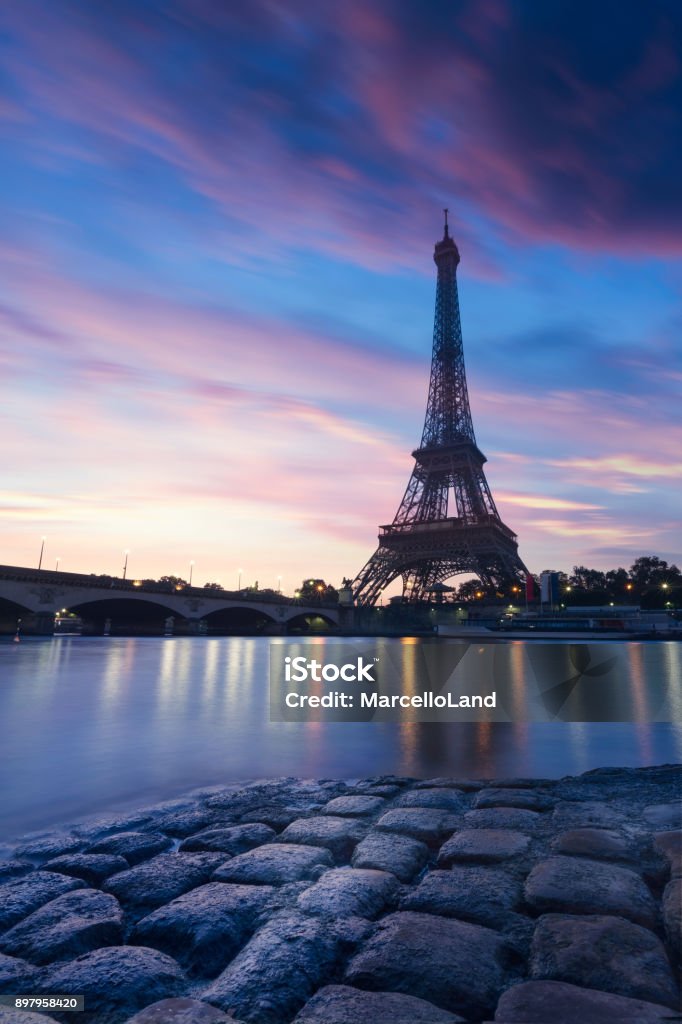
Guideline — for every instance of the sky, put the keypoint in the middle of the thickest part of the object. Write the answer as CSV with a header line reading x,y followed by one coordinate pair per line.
x,y
217,285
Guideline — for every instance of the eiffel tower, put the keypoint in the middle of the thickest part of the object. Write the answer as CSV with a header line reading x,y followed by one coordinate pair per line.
x,y
424,544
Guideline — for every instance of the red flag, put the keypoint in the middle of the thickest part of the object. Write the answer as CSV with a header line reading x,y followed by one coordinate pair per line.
x,y
530,588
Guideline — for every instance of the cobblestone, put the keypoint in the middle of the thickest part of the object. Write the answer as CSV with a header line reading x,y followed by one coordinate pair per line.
x,y
388,900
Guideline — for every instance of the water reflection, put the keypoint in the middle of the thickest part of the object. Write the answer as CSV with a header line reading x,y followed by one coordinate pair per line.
x,y
97,724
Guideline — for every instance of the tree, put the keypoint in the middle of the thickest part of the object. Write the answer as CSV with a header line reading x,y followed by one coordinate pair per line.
x,y
212,586
317,590
590,580
649,570
619,585
470,590
655,583
175,581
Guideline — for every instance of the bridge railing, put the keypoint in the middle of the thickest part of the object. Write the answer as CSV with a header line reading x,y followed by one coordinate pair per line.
x,y
44,577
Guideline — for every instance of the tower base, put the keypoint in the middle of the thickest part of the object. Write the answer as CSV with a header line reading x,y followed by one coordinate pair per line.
x,y
426,554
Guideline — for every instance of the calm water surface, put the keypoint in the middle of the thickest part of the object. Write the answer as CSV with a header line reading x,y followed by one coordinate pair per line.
x,y
96,725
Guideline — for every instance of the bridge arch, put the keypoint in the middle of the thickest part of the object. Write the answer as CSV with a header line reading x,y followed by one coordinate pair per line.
x,y
125,614
307,621
10,614
38,596
238,620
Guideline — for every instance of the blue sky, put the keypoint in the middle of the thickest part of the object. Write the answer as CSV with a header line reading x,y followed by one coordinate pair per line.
x,y
217,283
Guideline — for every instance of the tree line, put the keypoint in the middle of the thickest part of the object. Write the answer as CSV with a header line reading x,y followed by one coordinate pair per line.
x,y
649,582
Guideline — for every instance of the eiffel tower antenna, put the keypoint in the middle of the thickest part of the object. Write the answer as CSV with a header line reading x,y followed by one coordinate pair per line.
x,y
447,522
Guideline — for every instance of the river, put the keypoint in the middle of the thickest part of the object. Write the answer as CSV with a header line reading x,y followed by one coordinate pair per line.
x,y
98,725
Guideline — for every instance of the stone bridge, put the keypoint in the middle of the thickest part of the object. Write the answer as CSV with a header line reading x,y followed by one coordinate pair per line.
x,y
40,597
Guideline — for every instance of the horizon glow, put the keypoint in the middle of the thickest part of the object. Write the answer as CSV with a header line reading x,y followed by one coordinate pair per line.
x,y
217,281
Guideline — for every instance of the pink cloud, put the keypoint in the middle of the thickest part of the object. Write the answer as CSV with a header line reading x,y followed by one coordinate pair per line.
x,y
167,450
331,203
336,203
541,501
209,429
623,465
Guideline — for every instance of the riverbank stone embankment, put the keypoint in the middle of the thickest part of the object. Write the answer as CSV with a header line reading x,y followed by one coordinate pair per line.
x,y
390,900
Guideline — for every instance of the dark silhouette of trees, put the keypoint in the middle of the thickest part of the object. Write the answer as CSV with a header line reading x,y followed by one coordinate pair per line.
x,y
317,590
471,590
587,579
650,582
650,571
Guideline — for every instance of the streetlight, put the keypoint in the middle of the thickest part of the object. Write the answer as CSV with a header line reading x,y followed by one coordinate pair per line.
x,y
56,565
191,570
240,571
125,564
42,548
279,584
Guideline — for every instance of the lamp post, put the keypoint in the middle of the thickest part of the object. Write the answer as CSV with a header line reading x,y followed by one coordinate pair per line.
x,y
279,584
239,578
125,564
56,565
42,548
191,570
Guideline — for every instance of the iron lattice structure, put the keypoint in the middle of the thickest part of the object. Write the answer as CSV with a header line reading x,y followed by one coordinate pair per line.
x,y
424,544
